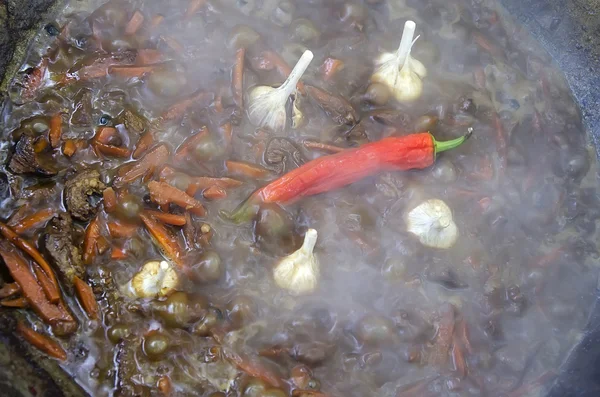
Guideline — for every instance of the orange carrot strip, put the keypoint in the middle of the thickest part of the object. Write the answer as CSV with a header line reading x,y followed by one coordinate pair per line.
x,y
226,131
156,20
193,7
121,230
167,242
42,342
458,357
118,253
201,99
9,289
19,303
51,293
309,144
162,193
164,385
55,130
165,217
189,143
69,147
10,235
237,78
135,23
90,248
152,159
110,150
34,220
104,134
173,44
255,369
110,200
149,56
31,290
246,169
145,141
214,193
331,67
131,71
86,297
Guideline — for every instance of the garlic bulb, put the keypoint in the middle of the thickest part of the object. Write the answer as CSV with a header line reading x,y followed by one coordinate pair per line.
x,y
431,221
400,71
266,105
155,279
299,272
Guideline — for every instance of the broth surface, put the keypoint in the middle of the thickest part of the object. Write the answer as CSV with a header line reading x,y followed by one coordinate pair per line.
x,y
496,314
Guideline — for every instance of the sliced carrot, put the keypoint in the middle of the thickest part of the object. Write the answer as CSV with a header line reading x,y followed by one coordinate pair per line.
x,y
193,7
203,182
90,247
135,23
164,385
201,99
18,303
55,130
331,67
118,253
13,237
310,144
153,159
104,134
131,71
149,56
156,20
246,169
37,219
190,142
214,193
165,217
31,290
121,230
173,44
169,244
110,150
162,193
86,297
110,200
42,342
9,289
237,78
69,147
145,141
51,293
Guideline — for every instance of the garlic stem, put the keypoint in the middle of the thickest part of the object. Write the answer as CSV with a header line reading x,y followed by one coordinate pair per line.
x,y
310,239
406,42
290,83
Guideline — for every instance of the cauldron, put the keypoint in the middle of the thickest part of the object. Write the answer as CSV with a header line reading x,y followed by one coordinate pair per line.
x,y
568,30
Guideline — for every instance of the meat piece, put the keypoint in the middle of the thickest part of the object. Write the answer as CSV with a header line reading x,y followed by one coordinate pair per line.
x,y
78,191
65,256
82,112
133,122
128,371
26,161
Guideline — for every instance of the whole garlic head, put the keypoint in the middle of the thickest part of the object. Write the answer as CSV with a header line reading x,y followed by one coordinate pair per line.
x,y
299,272
155,279
431,221
400,71
266,105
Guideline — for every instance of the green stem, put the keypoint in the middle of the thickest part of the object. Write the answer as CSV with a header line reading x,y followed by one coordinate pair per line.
x,y
454,143
245,212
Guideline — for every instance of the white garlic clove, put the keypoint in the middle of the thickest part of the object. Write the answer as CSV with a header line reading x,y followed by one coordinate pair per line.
x,y
155,279
299,271
432,222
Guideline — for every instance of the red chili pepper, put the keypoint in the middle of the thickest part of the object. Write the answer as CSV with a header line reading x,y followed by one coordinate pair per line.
x,y
330,172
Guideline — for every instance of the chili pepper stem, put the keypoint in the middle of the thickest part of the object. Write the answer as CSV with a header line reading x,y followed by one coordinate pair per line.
x,y
451,144
244,212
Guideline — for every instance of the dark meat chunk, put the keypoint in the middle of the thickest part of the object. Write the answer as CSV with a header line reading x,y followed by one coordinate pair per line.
x,y
65,255
82,112
26,161
283,155
134,123
128,371
336,107
78,191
